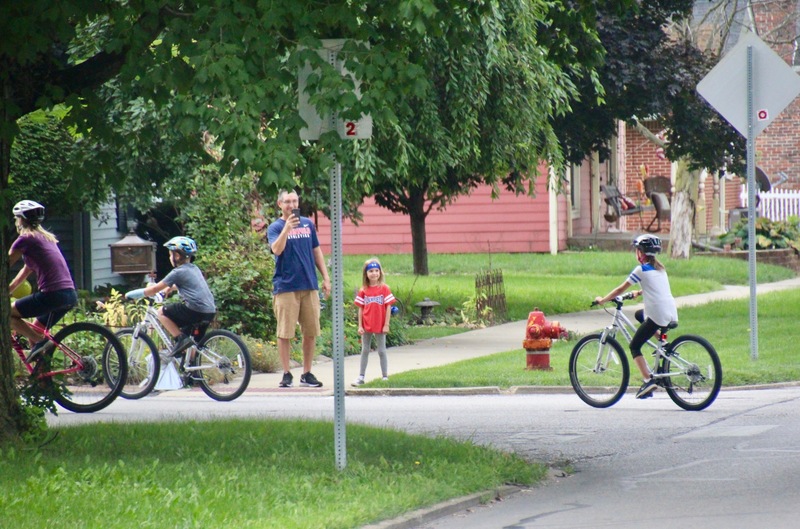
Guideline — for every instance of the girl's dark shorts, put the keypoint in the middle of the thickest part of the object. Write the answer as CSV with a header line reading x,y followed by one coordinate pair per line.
x,y
186,318
47,307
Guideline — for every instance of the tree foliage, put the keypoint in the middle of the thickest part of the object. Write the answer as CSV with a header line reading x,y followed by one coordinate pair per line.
x,y
486,114
228,67
650,72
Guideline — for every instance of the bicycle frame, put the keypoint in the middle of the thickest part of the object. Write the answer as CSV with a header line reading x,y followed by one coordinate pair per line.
x,y
151,321
77,363
621,322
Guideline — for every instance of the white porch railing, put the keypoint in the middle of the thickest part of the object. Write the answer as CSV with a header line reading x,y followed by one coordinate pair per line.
x,y
776,205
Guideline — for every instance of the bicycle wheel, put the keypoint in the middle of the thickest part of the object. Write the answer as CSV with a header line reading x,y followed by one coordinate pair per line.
x,y
695,372
144,364
224,363
99,381
598,371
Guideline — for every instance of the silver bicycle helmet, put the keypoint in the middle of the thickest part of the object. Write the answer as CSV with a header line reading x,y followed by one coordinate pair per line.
x,y
648,244
31,211
185,245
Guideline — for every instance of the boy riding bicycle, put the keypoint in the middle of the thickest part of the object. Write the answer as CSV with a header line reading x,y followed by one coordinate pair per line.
x,y
197,302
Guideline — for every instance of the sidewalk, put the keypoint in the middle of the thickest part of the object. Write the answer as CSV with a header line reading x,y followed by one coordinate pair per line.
x,y
440,351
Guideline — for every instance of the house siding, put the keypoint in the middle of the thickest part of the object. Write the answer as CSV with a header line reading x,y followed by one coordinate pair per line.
x,y
474,223
104,232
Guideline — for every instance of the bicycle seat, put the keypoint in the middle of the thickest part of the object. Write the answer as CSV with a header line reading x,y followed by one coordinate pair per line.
x,y
197,330
670,325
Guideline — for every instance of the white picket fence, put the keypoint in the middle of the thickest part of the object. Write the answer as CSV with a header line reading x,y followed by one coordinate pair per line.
x,y
776,205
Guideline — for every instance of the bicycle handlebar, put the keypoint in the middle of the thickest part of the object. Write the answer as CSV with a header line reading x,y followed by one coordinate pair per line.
x,y
619,299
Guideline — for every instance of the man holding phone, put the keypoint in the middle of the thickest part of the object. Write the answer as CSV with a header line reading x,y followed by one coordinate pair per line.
x,y
295,298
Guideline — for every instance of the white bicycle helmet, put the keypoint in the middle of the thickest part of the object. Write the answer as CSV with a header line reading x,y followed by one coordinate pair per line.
x,y
648,244
185,245
31,211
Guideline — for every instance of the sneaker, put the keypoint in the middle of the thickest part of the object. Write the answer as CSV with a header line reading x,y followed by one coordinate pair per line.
x,y
647,389
37,350
307,379
359,381
286,382
182,343
386,379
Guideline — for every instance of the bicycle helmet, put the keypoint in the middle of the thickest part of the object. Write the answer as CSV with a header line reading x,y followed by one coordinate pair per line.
x,y
185,245
648,244
31,211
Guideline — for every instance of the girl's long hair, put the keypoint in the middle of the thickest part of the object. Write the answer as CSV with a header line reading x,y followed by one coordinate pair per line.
x,y
364,278
25,229
655,263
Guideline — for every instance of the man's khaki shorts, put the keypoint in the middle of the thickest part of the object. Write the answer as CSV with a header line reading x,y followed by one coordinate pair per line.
x,y
300,307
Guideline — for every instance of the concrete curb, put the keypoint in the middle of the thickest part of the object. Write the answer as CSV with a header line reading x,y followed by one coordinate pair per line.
x,y
429,514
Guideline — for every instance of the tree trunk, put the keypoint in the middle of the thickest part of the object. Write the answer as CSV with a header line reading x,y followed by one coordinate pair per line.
x,y
419,242
10,411
683,211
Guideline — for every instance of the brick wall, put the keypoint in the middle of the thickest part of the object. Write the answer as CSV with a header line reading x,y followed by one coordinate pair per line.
x,y
641,151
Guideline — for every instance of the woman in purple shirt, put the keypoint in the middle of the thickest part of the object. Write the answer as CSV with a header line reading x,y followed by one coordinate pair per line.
x,y
41,255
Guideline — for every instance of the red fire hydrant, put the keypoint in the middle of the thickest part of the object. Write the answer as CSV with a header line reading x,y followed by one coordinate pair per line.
x,y
539,336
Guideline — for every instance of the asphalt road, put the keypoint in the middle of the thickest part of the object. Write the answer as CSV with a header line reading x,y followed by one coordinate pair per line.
x,y
639,463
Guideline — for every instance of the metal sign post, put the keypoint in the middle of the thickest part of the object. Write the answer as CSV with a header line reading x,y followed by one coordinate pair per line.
x,y
751,209
337,298
316,126
750,98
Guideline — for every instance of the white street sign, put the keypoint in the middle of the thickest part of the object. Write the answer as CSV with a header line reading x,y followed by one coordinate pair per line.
x,y
775,85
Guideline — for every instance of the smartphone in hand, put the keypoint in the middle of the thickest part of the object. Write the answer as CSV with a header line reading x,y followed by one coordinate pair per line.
x,y
296,213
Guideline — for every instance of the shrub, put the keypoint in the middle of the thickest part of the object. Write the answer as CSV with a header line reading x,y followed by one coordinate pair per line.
x,y
769,234
241,279
235,260
263,355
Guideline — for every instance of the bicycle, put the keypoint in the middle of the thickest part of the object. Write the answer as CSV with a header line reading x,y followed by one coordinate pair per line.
x,y
218,360
82,363
688,368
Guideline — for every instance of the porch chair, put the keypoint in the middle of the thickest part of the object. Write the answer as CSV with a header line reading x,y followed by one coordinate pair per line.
x,y
620,206
657,189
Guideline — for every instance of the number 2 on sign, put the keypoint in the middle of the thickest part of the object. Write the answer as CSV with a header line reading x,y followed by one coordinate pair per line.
x,y
350,128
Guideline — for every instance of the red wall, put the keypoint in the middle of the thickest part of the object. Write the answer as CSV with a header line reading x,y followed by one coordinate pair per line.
x,y
473,224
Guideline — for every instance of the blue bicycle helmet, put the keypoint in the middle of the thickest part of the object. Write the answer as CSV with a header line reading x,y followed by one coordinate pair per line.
x,y
185,245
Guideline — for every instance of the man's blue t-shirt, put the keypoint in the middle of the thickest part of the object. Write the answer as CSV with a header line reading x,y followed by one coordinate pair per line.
x,y
294,268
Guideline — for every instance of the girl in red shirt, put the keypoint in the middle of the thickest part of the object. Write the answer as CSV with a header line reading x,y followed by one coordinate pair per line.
x,y
374,302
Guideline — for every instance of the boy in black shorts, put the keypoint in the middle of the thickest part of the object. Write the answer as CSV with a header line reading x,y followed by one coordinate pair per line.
x,y
197,301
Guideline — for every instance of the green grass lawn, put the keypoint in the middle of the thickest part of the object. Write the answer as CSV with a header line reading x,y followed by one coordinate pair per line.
x,y
239,474
723,323
281,473
556,284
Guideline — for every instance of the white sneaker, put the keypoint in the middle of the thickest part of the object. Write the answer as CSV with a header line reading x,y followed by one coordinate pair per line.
x,y
385,378
359,381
